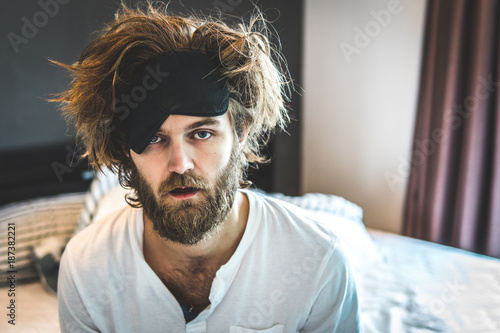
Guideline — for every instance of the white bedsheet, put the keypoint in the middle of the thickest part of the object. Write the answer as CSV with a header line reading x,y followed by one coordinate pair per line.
x,y
36,310
425,287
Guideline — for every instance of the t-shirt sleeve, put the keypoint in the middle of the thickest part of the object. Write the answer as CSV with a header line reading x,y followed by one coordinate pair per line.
x,y
335,308
73,315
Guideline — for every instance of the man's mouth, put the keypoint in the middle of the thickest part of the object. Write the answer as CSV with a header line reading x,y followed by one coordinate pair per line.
x,y
184,192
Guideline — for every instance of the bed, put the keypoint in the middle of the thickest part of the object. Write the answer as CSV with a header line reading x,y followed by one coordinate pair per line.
x,y
404,284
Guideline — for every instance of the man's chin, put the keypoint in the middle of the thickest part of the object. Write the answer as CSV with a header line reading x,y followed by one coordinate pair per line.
x,y
192,240
183,233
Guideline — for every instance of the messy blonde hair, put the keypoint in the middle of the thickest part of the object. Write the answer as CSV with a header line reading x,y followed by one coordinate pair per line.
x,y
244,54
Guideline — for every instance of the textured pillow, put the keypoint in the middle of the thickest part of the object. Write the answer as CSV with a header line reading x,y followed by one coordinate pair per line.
x,y
327,203
102,184
35,220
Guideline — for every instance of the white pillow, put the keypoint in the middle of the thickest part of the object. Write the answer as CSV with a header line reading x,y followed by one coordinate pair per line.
x,y
324,202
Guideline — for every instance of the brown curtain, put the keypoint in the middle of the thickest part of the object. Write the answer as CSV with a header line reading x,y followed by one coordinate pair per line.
x,y
453,194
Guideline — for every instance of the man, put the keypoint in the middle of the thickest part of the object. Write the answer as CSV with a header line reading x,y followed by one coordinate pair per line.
x,y
177,107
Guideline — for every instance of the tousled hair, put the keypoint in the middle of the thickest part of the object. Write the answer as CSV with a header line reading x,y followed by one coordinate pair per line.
x,y
252,67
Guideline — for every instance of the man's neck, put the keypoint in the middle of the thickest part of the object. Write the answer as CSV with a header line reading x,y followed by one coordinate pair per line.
x,y
214,250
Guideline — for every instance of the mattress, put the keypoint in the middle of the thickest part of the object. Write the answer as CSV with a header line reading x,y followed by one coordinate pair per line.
x,y
426,287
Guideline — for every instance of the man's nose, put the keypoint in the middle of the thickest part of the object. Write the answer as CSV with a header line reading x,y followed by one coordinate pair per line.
x,y
179,158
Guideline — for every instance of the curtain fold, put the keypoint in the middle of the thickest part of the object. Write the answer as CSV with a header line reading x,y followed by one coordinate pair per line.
x,y
453,193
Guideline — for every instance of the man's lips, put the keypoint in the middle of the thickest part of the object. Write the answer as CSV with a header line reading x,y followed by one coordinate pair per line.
x,y
184,192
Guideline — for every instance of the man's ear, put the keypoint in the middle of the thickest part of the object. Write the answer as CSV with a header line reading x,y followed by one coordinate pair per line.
x,y
126,151
242,138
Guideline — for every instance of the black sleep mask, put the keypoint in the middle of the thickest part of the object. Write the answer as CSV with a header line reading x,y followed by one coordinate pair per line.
x,y
181,82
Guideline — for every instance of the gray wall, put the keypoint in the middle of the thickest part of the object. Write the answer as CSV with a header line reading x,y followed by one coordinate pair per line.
x,y
30,36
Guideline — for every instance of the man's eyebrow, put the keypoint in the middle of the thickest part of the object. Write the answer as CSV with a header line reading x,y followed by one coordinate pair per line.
x,y
203,122
197,124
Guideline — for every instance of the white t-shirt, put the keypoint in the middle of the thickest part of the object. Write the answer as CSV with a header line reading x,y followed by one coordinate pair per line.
x,y
288,274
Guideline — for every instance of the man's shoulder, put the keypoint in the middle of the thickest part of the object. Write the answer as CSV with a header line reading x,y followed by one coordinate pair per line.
x,y
294,240
101,236
291,223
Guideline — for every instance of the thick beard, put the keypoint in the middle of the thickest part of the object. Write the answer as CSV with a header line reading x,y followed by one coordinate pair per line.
x,y
188,223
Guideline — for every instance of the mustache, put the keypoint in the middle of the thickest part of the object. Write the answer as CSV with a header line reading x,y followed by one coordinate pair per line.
x,y
185,180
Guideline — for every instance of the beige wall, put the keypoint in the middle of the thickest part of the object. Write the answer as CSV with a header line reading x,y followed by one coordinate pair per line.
x,y
361,70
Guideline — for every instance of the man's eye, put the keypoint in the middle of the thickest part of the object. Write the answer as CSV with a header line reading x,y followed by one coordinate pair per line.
x,y
202,135
155,139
